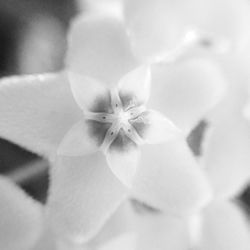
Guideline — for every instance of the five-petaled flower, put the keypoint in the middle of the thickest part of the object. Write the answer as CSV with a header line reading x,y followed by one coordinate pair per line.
x,y
111,86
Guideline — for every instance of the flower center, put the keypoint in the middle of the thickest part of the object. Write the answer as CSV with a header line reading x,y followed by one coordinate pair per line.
x,y
116,124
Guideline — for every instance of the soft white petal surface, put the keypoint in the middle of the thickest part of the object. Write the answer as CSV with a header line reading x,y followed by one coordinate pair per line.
x,y
226,146
186,91
157,26
169,178
119,223
47,240
99,48
226,156
136,84
83,194
113,7
86,90
124,163
157,127
77,141
20,218
124,242
224,228
162,232
37,111
225,18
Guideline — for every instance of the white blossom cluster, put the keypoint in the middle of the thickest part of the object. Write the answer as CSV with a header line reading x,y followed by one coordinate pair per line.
x,y
139,77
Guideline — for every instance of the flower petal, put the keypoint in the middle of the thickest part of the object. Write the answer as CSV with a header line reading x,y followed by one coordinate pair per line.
x,y
119,223
36,111
223,19
154,27
154,127
186,91
99,48
88,92
123,159
158,26
136,85
161,232
126,241
46,241
226,147
77,141
224,228
169,178
83,194
21,218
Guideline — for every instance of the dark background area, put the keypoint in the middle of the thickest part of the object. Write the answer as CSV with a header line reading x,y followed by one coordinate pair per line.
x,y
33,40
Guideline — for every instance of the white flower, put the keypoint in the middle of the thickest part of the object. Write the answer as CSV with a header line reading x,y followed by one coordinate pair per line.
x,y
37,111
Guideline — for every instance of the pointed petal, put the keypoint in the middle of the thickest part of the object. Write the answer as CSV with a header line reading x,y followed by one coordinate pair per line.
x,y
136,85
123,159
99,48
78,141
186,91
20,218
36,111
226,147
83,195
154,127
161,232
169,178
224,227
88,92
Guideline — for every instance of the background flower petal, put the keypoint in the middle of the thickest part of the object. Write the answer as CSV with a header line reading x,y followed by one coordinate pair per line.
x,y
186,91
226,146
161,232
83,195
155,27
20,218
99,48
168,178
36,111
224,227
223,19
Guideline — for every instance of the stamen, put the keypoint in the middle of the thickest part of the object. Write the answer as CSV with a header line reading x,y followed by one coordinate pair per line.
x,y
132,134
135,112
99,117
116,102
110,136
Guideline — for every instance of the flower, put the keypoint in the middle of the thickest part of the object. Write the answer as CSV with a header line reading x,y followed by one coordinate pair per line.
x,y
116,122
37,111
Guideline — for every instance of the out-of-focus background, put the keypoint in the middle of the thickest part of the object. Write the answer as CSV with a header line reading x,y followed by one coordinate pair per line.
x,y
33,35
